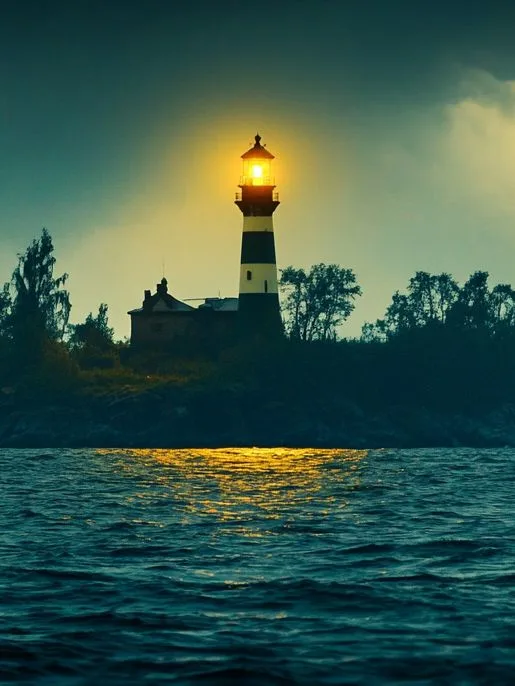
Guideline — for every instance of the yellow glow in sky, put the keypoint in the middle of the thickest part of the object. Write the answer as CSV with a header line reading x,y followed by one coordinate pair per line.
x,y
165,199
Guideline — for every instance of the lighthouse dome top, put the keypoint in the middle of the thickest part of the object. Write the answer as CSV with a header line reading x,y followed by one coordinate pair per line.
x,y
257,151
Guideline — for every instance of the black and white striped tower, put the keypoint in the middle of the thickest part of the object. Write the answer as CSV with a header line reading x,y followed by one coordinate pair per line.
x,y
259,310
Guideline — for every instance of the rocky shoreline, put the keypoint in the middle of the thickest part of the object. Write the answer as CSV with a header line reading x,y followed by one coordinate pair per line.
x,y
164,419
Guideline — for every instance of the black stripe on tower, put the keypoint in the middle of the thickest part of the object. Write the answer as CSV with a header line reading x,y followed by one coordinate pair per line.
x,y
260,303
257,201
258,247
257,209
260,313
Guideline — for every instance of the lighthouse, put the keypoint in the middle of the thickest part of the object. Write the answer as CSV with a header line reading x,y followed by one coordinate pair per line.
x,y
259,311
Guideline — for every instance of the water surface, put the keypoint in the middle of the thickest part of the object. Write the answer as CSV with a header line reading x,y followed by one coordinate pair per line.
x,y
257,566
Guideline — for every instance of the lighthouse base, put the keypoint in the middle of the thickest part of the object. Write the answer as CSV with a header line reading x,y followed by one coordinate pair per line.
x,y
259,315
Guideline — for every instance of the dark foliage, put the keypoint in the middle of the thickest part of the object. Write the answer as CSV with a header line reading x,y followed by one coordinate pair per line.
x,y
34,309
317,302
441,350
449,347
92,342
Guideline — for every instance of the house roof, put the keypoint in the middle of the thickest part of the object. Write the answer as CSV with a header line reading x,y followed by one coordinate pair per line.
x,y
161,301
220,304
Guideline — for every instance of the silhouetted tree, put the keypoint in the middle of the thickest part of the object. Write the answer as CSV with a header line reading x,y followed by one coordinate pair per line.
x,y
502,308
5,341
34,307
447,346
5,308
91,342
428,301
479,308
38,300
472,307
94,332
317,302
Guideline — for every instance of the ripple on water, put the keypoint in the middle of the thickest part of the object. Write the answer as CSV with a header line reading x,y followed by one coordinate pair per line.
x,y
257,566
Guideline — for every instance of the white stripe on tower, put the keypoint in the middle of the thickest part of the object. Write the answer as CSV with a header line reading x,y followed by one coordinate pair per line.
x,y
258,278
258,224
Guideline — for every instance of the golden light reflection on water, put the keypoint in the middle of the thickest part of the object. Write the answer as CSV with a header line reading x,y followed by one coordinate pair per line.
x,y
239,484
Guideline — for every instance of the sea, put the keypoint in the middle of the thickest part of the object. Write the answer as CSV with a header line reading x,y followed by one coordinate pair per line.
x,y
253,566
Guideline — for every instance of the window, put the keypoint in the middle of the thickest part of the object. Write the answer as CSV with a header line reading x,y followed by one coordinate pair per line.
x,y
266,286
249,275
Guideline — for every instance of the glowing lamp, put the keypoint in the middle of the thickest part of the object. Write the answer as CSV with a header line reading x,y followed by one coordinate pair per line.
x,y
257,166
257,171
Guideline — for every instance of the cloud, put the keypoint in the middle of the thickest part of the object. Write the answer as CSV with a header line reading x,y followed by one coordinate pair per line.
x,y
433,189
478,147
455,158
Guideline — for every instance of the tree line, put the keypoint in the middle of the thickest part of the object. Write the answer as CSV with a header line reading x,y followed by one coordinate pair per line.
x,y
439,344
34,319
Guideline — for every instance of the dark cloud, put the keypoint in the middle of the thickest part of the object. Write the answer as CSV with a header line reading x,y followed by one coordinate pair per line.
x,y
376,53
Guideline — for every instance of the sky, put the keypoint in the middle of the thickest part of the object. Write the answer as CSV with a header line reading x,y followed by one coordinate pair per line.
x,y
122,126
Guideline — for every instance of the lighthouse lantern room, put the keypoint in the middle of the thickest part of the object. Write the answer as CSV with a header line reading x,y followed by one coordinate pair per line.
x,y
257,166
